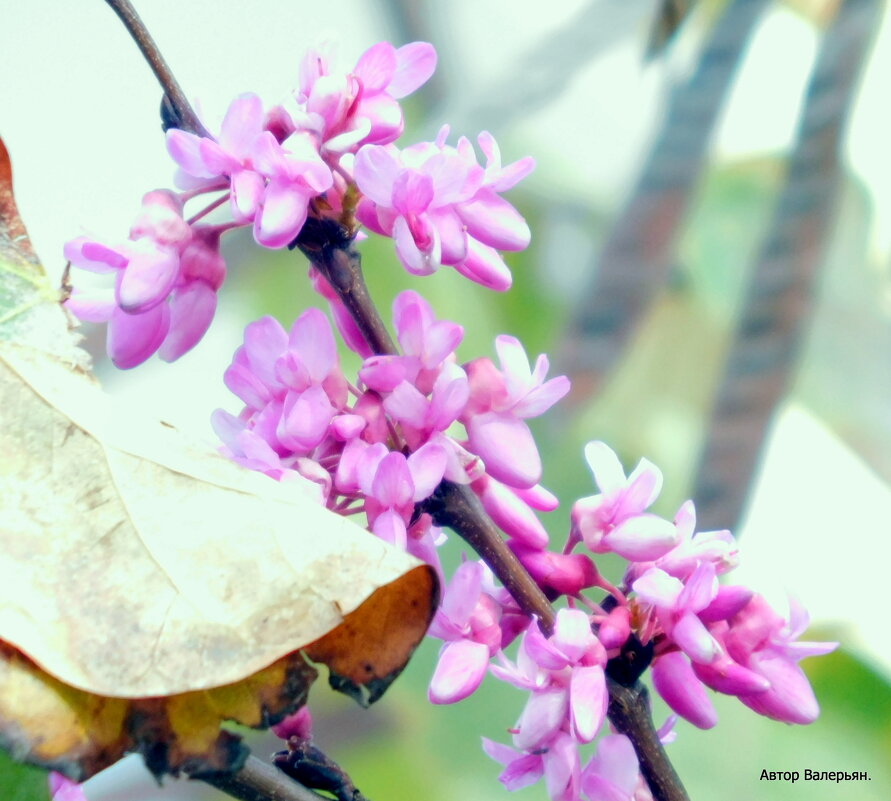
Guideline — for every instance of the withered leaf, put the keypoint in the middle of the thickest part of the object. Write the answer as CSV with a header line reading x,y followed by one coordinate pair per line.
x,y
152,589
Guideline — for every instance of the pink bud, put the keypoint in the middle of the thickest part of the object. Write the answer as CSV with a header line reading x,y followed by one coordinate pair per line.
x,y
298,724
676,682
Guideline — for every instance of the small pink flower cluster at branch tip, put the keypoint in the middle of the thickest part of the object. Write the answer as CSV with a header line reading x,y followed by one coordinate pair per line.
x,y
327,148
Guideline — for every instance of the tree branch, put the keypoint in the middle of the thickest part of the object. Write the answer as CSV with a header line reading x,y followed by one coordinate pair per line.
x,y
260,781
636,258
185,115
779,296
330,248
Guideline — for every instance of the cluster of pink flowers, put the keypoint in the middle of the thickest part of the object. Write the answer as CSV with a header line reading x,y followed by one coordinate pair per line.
x,y
326,150
383,444
166,278
700,634
379,445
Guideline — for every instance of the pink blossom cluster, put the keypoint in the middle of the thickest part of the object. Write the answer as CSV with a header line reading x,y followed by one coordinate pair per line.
x,y
380,444
699,634
166,276
383,444
327,152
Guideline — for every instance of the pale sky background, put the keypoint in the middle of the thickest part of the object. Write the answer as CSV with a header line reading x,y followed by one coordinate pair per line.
x,y
78,113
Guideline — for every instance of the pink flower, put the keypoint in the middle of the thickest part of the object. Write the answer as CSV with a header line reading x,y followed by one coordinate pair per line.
x,y
558,763
63,789
468,621
393,483
298,724
348,110
566,677
511,513
270,182
226,159
296,174
427,343
420,416
615,519
762,641
613,772
296,400
676,606
560,573
717,547
166,279
675,681
499,402
441,207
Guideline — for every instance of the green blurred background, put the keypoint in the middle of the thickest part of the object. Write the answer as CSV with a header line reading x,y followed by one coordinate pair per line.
x,y
570,84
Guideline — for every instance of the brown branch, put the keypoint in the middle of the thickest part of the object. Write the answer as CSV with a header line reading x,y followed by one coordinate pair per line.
x,y
260,781
778,300
185,115
330,249
458,508
629,711
634,262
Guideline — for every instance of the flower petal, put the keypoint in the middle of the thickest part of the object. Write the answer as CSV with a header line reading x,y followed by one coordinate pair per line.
x,y
192,309
675,681
133,338
415,63
460,670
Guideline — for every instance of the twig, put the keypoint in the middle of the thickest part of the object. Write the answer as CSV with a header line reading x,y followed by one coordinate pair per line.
x,y
330,249
779,297
635,260
260,781
186,117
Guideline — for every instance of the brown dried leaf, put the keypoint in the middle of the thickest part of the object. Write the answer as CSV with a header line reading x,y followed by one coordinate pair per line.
x,y
153,589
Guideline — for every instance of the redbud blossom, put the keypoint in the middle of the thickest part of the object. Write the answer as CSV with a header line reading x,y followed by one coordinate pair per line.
x,y
616,520
166,278
441,207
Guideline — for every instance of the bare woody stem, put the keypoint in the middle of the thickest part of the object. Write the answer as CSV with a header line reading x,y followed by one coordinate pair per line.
x,y
457,507
260,781
331,250
186,117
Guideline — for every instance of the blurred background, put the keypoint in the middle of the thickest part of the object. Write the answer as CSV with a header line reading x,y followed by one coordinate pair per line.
x,y
711,266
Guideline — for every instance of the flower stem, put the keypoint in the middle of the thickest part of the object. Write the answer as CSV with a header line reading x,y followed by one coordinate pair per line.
x,y
330,249
186,117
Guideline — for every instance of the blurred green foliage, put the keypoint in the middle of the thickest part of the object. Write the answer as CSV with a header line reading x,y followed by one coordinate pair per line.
x,y
21,782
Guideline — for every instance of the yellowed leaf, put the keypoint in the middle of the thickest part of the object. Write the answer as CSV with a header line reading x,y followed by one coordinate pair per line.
x,y
151,588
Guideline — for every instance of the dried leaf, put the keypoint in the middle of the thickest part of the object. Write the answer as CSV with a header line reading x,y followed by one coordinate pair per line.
x,y
152,589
